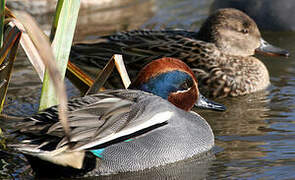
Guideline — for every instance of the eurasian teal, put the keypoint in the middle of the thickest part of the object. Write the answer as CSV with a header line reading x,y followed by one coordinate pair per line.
x,y
220,53
121,130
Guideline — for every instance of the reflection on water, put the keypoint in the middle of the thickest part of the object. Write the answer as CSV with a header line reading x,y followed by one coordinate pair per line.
x,y
120,15
185,14
254,137
240,133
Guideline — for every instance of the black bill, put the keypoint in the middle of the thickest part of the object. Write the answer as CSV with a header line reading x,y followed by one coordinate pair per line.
x,y
268,49
204,103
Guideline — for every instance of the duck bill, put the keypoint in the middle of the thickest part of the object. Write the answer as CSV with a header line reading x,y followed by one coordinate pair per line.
x,y
204,103
270,50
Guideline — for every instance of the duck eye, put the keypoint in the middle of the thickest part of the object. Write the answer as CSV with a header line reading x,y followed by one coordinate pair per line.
x,y
186,84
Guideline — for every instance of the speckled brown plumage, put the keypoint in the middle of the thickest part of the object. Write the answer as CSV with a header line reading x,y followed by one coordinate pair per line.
x,y
220,54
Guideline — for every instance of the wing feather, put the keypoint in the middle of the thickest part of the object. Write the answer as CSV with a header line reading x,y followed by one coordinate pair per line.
x,y
113,114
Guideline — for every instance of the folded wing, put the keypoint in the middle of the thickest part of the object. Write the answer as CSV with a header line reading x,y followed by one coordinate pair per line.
x,y
94,120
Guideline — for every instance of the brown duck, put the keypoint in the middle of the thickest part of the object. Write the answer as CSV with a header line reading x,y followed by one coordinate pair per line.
x,y
220,54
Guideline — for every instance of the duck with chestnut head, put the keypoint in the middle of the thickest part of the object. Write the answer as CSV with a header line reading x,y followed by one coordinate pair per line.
x,y
220,54
122,130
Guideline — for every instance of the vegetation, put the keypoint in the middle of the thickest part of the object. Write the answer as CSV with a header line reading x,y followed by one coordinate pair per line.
x,y
62,34
40,52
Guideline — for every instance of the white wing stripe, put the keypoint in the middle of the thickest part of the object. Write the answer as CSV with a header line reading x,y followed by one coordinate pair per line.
x,y
156,119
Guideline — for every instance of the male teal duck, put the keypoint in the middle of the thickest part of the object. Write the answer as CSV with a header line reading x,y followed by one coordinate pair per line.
x,y
121,130
220,53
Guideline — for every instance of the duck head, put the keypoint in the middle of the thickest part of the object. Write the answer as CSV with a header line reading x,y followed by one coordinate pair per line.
x,y
173,80
235,33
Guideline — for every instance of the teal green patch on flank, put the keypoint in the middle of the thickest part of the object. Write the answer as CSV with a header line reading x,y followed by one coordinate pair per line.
x,y
128,140
98,152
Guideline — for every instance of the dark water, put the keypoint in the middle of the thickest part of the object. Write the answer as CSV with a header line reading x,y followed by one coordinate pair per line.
x,y
254,137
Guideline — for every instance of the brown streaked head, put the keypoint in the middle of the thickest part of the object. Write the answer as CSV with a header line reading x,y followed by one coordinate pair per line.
x,y
235,33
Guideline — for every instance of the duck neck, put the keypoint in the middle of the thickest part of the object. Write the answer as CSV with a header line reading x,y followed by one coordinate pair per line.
x,y
205,32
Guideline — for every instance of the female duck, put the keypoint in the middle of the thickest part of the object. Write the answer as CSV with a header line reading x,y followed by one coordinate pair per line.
x,y
220,53
122,130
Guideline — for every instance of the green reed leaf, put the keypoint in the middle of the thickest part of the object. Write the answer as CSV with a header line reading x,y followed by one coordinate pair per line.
x,y
66,18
